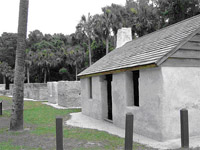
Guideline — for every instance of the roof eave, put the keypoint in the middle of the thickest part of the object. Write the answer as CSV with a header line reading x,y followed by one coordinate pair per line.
x,y
119,70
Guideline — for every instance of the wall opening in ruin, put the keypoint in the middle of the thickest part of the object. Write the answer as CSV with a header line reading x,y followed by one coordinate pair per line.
x,y
90,87
136,76
109,95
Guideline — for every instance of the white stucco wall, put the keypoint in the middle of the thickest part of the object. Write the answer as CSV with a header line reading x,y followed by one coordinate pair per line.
x,y
36,91
69,93
65,93
96,106
148,116
52,88
2,86
163,92
181,90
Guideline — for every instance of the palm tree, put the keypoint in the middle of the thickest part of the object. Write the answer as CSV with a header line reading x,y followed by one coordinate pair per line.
x,y
75,58
48,55
29,60
106,20
86,26
103,25
6,71
16,122
118,20
46,59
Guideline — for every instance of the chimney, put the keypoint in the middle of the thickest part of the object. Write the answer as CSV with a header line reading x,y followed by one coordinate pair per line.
x,y
124,35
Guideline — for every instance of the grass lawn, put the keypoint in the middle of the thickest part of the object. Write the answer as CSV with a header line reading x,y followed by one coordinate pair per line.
x,y
39,131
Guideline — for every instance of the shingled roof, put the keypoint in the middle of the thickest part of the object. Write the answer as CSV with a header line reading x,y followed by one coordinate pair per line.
x,y
152,49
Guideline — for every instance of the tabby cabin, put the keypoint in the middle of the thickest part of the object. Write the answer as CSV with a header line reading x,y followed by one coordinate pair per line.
x,y
154,77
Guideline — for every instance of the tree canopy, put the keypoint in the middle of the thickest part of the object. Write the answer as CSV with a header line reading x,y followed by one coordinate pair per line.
x,y
61,57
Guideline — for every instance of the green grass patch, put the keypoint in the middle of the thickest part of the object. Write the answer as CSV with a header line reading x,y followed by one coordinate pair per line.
x,y
44,130
109,141
3,130
41,119
92,135
39,114
6,113
88,148
5,98
9,146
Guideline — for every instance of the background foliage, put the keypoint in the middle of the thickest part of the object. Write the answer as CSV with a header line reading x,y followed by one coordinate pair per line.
x,y
61,57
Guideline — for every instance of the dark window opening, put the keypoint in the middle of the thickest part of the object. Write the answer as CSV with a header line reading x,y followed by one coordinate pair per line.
x,y
136,87
7,87
90,87
109,95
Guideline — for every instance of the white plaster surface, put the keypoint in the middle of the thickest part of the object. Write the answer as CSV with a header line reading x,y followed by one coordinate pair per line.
x,y
52,88
124,35
181,90
69,93
29,99
2,86
26,99
59,107
83,121
148,116
163,92
37,91
95,106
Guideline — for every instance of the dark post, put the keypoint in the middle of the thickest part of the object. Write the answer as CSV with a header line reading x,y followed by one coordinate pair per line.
x,y
184,128
59,133
1,108
129,132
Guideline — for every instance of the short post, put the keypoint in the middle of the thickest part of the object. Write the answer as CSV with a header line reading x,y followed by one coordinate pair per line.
x,y
184,128
1,108
59,133
129,132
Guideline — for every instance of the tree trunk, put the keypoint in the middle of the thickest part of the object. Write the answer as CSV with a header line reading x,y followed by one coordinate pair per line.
x,y
115,40
107,45
49,75
90,55
16,122
28,75
76,71
45,76
4,79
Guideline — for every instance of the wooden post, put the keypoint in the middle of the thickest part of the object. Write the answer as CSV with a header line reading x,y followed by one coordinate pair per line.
x,y
1,108
129,132
59,133
184,128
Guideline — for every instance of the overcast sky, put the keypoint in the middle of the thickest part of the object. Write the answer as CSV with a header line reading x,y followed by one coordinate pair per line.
x,y
50,16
